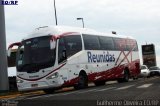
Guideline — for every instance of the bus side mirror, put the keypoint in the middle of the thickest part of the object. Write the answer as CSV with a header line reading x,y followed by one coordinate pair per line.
x,y
64,54
11,46
53,43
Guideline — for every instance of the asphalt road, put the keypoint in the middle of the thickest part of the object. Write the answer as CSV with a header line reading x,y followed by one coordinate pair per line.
x,y
135,92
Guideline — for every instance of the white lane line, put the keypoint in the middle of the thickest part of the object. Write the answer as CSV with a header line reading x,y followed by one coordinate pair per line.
x,y
145,86
124,87
87,91
105,89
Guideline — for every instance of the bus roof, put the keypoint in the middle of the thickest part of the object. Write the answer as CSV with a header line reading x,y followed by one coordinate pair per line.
x,y
58,30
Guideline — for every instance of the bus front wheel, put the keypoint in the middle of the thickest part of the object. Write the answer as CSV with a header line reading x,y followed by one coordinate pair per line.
x,y
82,81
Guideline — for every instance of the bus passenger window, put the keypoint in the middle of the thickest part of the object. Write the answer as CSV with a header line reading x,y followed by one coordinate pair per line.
x,y
73,44
106,43
120,44
68,46
91,42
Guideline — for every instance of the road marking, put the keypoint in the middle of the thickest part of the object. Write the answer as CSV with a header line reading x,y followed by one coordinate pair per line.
x,y
87,91
111,82
105,89
145,86
124,87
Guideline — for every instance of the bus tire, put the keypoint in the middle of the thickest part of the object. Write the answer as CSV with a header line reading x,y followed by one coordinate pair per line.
x,y
125,77
100,83
135,78
48,91
82,81
119,80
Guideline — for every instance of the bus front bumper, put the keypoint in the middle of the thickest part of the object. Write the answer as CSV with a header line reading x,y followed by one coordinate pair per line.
x,y
38,85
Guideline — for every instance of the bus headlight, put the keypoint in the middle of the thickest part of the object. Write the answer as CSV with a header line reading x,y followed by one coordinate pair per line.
x,y
19,81
55,75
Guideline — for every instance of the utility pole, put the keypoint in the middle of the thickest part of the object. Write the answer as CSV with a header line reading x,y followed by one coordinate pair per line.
x,y
55,12
4,84
82,21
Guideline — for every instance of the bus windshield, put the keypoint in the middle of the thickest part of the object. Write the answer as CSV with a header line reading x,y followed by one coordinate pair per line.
x,y
35,54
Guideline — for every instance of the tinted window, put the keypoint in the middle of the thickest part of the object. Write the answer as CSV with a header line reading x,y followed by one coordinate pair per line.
x,y
106,43
136,46
154,68
72,44
61,47
35,54
131,45
91,42
120,44
143,67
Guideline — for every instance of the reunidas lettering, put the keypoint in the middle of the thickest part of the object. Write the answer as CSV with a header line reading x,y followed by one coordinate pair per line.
x,y
97,58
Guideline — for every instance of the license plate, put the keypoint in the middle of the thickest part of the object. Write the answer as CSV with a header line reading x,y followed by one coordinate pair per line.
x,y
34,85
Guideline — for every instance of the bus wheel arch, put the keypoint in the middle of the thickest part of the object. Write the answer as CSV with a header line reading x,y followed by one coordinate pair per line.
x,y
82,80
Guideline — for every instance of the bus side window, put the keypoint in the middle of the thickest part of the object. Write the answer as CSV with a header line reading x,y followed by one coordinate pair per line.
x,y
73,44
120,44
91,42
61,50
131,45
106,43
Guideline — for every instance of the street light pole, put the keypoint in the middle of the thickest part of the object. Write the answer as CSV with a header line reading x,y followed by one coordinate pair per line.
x,y
82,21
4,85
55,12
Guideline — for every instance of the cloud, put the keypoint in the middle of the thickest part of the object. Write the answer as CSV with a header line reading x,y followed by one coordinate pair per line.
x,y
137,18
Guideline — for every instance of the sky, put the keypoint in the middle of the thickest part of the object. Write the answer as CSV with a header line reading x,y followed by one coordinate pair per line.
x,y
137,18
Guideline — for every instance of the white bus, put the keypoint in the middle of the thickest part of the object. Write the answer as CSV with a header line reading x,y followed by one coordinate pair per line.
x,y
54,57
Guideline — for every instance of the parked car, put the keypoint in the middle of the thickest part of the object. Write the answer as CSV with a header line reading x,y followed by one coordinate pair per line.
x,y
145,72
154,71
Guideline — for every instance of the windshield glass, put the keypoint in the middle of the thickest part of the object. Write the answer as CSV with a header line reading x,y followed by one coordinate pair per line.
x,y
143,67
154,68
35,54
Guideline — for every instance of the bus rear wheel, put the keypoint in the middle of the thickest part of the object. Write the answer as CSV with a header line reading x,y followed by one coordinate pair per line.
x,y
82,81
125,77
